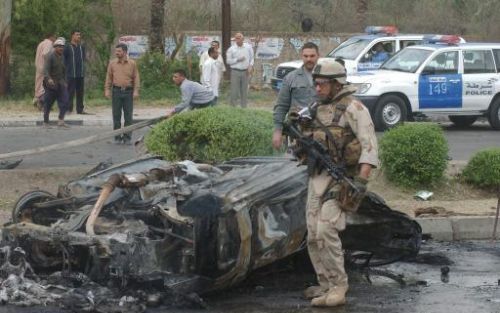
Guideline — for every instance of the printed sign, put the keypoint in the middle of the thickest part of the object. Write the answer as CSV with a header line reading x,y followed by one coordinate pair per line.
x,y
137,45
199,44
297,43
269,48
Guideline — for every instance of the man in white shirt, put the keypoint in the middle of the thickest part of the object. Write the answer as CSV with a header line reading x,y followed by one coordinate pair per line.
x,y
220,62
240,58
210,76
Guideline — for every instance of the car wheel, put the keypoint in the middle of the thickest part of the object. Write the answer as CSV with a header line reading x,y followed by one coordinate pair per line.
x,y
462,121
389,112
494,115
24,210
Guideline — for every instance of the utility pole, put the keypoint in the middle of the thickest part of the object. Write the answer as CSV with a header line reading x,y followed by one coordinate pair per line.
x,y
5,17
226,29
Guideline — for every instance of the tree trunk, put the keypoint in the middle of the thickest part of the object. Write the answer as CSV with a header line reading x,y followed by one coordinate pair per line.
x,y
5,16
156,38
361,9
179,41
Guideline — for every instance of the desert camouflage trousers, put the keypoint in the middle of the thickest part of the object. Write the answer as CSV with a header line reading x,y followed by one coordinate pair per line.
x,y
324,222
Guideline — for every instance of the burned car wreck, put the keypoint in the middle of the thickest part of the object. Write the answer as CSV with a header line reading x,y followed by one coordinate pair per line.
x,y
189,227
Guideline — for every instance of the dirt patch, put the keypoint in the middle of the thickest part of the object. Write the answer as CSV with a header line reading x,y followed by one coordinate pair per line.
x,y
15,183
451,198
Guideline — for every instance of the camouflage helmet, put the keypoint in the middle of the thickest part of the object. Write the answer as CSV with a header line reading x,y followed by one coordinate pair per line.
x,y
329,68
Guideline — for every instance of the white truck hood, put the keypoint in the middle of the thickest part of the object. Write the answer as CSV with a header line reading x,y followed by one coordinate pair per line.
x,y
380,77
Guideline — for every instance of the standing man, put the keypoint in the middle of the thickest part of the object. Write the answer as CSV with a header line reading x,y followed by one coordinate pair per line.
x,y
220,62
343,125
297,90
54,80
43,49
240,58
194,95
122,84
210,77
74,59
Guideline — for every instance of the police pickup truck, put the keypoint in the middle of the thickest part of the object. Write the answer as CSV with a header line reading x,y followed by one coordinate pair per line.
x,y
442,76
359,52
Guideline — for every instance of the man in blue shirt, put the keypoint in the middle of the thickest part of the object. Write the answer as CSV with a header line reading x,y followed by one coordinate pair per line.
x,y
379,53
194,95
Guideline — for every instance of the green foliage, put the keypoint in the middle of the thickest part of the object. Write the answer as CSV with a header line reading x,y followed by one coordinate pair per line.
x,y
483,170
414,154
156,75
213,134
33,19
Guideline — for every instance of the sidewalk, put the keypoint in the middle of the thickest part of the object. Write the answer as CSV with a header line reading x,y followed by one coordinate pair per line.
x,y
100,116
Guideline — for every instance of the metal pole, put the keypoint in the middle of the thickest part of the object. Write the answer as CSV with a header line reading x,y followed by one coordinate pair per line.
x,y
494,237
226,30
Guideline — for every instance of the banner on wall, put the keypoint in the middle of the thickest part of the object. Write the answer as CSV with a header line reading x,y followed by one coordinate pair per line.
x,y
199,44
137,45
170,46
265,48
297,43
269,48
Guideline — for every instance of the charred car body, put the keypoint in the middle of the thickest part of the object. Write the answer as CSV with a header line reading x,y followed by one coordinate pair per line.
x,y
188,226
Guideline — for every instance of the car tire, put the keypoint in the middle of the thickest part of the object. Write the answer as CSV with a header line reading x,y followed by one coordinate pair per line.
x,y
389,112
24,210
494,114
462,120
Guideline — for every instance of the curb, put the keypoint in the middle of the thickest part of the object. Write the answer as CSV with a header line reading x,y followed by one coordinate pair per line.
x,y
34,123
458,227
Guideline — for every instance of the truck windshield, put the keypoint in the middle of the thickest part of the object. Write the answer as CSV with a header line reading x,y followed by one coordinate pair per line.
x,y
407,60
349,49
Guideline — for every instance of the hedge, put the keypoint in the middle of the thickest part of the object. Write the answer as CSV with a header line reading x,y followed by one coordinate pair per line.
x,y
414,154
213,135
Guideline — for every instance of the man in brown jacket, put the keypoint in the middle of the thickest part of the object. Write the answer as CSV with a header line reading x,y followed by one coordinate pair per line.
x,y
122,85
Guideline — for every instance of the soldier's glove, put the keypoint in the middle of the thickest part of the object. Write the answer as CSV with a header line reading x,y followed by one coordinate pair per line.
x,y
350,198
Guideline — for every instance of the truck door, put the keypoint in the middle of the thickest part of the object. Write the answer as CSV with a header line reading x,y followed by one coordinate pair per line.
x,y
440,84
480,79
376,55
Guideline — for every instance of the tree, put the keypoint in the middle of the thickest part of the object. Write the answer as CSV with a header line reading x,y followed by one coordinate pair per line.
x,y
5,17
156,37
361,9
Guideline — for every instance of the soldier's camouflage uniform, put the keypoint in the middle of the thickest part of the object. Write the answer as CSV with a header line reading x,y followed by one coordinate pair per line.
x,y
349,121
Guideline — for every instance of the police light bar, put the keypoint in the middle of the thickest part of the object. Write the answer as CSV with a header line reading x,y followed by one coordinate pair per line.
x,y
442,39
375,30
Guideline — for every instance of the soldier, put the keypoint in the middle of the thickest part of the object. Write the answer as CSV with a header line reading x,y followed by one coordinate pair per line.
x,y
344,126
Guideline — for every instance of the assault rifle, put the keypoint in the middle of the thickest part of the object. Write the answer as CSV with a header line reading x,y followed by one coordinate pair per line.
x,y
317,154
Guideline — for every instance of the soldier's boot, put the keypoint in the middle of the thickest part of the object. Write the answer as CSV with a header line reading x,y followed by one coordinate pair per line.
x,y
334,297
314,292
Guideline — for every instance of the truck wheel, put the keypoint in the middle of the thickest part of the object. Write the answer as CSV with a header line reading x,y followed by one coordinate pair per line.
x,y
462,120
389,112
24,210
494,115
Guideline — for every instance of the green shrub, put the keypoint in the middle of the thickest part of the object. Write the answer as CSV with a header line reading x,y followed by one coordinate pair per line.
x,y
483,169
414,154
212,135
